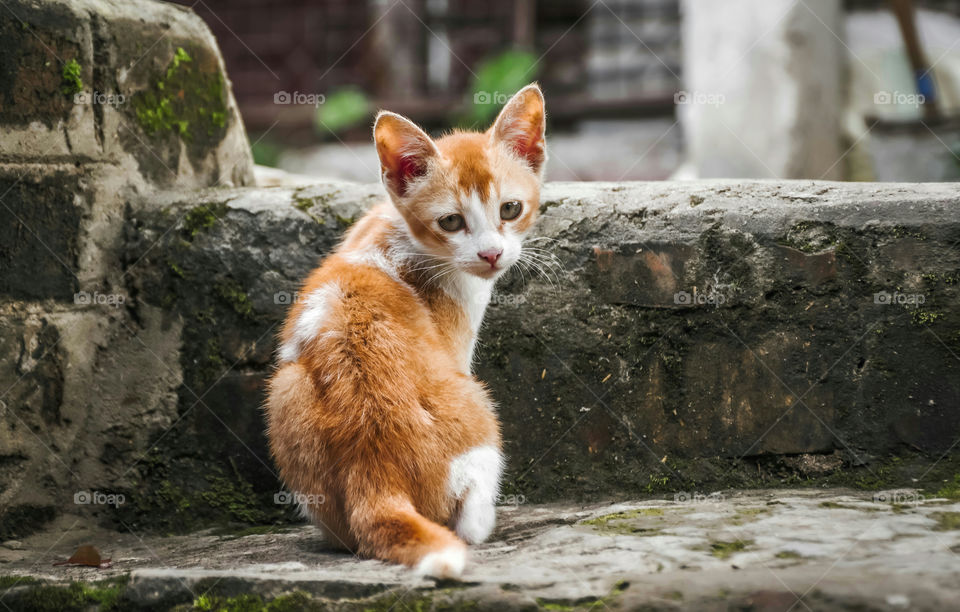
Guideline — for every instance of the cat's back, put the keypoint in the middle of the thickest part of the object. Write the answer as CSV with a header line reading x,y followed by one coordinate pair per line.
x,y
357,304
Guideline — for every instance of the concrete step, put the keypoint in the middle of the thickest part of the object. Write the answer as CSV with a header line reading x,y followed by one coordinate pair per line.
x,y
752,550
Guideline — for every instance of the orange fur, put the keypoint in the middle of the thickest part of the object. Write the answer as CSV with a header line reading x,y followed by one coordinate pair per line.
x,y
373,398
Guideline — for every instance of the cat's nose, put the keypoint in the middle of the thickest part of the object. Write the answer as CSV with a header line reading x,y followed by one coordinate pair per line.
x,y
490,256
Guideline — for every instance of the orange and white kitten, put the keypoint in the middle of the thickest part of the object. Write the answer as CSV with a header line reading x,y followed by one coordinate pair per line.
x,y
374,417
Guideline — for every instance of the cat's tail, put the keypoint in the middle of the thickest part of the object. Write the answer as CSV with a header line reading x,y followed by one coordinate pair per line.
x,y
391,529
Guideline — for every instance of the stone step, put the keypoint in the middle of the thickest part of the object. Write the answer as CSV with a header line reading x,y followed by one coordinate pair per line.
x,y
760,550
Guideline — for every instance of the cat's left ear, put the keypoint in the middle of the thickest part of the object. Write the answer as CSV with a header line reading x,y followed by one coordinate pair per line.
x,y
521,126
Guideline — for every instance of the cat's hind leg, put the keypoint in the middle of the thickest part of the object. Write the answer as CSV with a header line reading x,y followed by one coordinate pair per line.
x,y
474,481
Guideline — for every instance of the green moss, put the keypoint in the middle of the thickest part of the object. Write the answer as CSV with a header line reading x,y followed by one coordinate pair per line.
x,y
924,317
657,483
177,502
836,505
201,218
590,603
951,490
696,200
437,600
234,295
184,101
723,550
946,521
103,596
241,603
10,581
788,554
179,58
210,365
752,511
175,268
71,83
236,497
899,231
306,204
174,496
618,523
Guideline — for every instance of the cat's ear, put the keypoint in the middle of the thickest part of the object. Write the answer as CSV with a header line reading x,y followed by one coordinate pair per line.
x,y
405,151
521,125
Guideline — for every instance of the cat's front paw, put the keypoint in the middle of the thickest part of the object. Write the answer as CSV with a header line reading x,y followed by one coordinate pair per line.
x,y
475,482
477,519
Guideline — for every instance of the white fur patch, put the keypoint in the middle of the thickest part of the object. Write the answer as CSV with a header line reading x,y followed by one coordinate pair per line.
x,y
472,293
447,563
316,308
376,258
474,479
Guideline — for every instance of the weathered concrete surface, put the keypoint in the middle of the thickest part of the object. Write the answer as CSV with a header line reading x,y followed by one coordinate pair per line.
x,y
723,333
764,550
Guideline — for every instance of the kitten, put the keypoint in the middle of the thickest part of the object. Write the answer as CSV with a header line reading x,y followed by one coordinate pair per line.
x,y
374,418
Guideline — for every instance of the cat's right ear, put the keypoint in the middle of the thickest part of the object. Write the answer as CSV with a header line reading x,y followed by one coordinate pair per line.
x,y
405,152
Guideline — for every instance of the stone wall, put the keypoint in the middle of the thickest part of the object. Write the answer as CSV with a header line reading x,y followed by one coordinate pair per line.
x,y
691,336
101,104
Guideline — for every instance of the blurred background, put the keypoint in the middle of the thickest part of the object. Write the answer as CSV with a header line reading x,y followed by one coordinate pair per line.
x,y
636,89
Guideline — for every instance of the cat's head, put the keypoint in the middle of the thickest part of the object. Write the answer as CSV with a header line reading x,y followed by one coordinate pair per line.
x,y
468,197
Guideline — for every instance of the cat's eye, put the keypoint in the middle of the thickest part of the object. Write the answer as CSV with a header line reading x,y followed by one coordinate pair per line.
x,y
451,223
510,210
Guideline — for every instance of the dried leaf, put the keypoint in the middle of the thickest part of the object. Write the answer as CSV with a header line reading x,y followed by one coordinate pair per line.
x,y
87,556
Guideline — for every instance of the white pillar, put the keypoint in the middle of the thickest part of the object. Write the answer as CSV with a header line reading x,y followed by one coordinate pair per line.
x,y
763,85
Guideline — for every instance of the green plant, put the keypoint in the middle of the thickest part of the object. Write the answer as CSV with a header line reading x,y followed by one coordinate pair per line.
x,y
495,80
70,75
342,110
265,153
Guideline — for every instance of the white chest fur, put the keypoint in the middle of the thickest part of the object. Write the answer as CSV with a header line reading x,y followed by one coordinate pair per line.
x,y
473,295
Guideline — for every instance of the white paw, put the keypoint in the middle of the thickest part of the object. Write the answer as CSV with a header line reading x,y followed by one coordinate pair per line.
x,y
477,519
475,481
447,563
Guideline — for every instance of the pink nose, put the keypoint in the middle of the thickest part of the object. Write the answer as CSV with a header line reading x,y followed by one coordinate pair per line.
x,y
490,256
